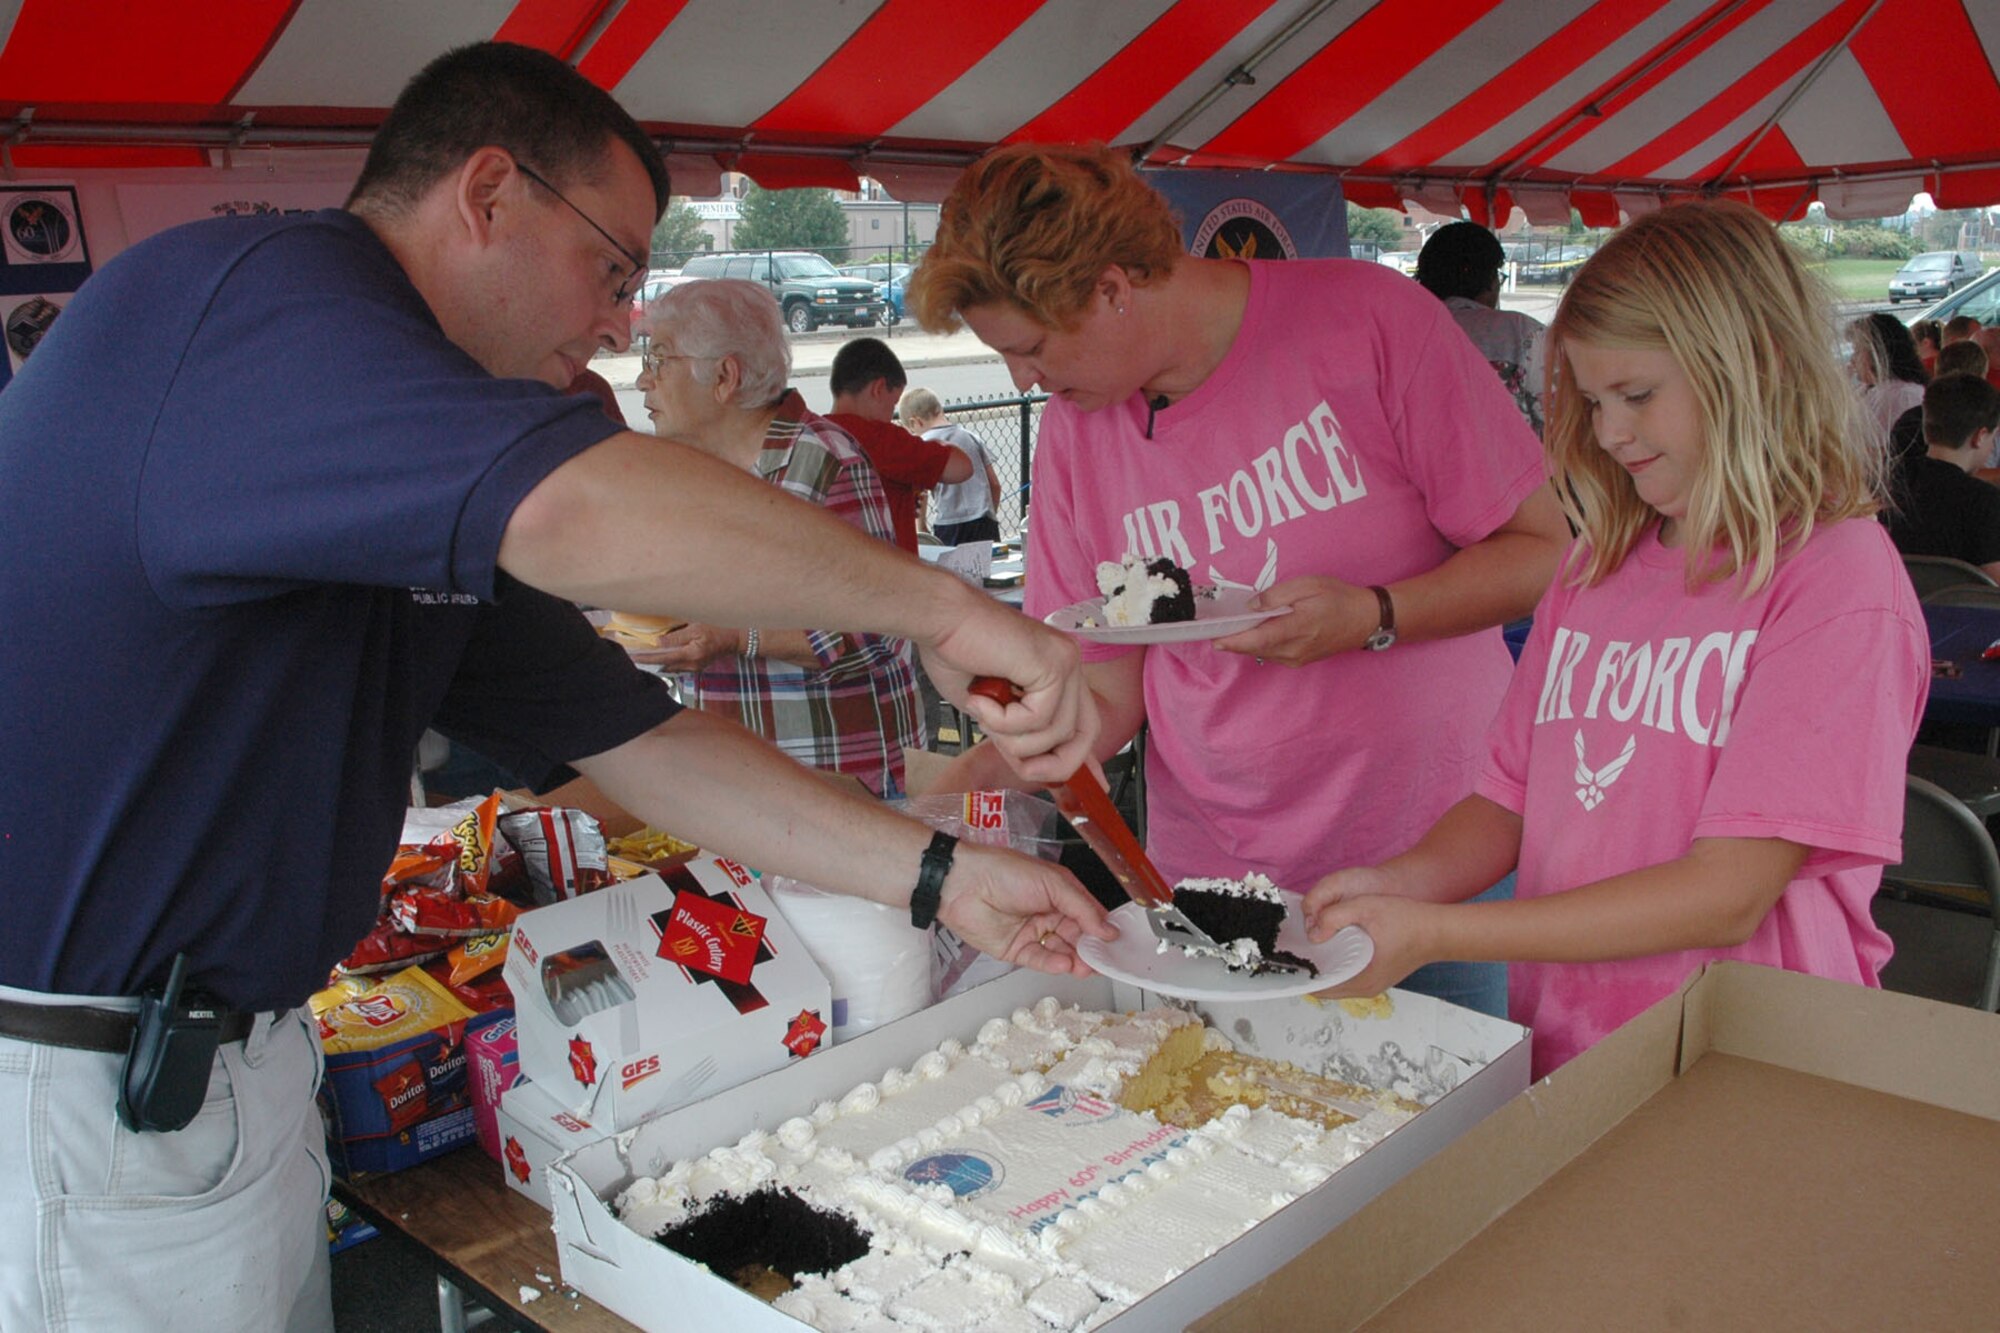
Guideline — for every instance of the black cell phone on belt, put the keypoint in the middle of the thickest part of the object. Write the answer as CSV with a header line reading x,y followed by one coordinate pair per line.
x,y
173,1050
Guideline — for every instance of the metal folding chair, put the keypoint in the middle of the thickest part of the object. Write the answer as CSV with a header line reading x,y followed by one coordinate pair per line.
x,y
1935,573
1949,860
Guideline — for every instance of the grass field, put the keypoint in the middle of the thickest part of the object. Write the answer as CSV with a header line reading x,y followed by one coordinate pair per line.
x,y
1859,279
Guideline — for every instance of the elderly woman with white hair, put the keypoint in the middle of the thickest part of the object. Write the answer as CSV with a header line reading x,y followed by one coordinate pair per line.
x,y
715,377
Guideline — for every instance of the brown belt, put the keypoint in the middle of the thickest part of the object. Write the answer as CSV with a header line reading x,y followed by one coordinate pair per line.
x,y
84,1028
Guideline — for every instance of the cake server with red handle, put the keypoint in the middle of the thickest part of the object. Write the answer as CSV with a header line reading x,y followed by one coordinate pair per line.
x,y
1084,802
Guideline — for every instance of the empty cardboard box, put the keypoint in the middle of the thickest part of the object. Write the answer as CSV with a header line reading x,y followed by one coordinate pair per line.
x,y
1760,1150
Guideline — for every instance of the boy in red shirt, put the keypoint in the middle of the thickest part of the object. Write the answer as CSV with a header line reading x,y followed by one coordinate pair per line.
x,y
867,382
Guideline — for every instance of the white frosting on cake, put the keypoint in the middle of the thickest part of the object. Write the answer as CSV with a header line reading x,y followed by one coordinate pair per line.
x,y
994,1193
1130,591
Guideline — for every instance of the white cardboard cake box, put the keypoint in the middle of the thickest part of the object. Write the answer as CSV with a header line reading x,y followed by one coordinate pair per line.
x,y
652,993
1469,1063
534,1130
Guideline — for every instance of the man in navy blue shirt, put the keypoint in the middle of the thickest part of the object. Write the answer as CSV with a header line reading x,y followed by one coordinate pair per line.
x,y
275,495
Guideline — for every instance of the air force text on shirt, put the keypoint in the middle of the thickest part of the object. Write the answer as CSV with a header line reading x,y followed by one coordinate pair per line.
x,y
1310,470
1678,684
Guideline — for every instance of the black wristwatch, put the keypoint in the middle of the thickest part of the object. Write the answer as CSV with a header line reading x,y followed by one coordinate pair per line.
x,y
930,880
1385,633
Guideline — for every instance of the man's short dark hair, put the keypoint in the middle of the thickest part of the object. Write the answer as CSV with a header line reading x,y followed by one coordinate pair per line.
x,y
1957,407
1966,357
502,95
862,361
1460,259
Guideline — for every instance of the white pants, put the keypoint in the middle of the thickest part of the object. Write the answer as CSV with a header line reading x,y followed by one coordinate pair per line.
x,y
217,1227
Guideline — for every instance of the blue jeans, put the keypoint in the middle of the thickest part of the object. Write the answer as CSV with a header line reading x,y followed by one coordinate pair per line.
x,y
1481,986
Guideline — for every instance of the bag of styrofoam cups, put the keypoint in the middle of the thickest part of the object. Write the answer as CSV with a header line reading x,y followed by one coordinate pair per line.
x,y
878,964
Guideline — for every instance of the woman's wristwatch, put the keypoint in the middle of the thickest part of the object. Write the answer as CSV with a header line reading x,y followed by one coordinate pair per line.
x,y
1385,632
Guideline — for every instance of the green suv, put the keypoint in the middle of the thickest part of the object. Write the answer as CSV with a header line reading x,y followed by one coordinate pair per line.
x,y
810,291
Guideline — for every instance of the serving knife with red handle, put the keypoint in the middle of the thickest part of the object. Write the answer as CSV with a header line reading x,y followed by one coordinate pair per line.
x,y
1084,802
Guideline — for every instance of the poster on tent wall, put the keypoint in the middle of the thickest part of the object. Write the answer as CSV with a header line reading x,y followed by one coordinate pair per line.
x,y
43,259
1257,214
149,208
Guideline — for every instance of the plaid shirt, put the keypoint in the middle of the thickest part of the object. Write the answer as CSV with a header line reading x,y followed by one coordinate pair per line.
x,y
859,708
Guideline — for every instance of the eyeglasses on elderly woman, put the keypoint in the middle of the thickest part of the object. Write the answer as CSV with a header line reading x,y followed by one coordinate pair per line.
x,y
652,361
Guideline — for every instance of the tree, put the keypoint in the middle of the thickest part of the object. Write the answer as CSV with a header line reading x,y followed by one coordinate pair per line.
x,y
678,236
1380,225
793,220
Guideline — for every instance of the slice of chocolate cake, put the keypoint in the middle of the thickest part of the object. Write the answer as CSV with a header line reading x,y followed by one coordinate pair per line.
x,y
1243,916
1145,592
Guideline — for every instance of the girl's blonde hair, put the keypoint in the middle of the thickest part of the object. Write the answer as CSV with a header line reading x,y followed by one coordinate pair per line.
x,y
1035,225
1786,447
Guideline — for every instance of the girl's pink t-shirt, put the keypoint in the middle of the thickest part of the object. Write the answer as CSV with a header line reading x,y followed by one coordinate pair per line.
x,y
1643,716
1351,430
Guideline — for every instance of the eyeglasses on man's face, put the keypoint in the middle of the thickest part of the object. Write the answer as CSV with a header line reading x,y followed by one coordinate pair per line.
x,y
625,282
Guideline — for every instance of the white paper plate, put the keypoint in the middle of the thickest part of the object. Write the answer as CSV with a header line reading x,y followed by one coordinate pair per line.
x,y
1226,611
1135,957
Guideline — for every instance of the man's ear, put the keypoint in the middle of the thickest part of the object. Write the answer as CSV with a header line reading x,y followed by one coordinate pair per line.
x,y
481,191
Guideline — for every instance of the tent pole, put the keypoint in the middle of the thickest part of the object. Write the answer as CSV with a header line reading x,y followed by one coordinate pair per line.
x,y
1593,106
1812,76
1243,73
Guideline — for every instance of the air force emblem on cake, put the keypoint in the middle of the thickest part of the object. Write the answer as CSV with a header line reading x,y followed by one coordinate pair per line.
x,y
965,1175
1067,1104
1594,781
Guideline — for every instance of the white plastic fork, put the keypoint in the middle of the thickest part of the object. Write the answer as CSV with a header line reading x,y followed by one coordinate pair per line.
x,y
621,919
684,1087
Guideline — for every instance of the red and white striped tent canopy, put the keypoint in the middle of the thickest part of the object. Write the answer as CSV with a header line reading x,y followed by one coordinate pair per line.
x,y
1544,103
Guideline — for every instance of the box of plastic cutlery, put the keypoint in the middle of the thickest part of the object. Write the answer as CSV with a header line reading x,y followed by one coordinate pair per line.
x,y
661,990
534,1131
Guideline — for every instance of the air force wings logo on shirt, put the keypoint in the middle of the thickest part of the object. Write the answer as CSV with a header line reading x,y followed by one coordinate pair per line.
x,y
1594,781
1265,576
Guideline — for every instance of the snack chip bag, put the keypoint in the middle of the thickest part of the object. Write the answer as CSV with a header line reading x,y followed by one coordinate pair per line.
x,y
475,958
396,1007
469,825
439,912
430,865
385,949
563,850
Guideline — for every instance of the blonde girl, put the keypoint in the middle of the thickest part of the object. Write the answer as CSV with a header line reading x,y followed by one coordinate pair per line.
x,y
1701,752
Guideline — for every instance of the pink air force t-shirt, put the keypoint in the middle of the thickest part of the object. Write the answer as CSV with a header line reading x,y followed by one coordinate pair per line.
x,y
1352,430
1643,717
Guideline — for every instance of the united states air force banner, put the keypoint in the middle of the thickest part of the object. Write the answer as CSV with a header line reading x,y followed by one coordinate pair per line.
x,y
43,259
1257,214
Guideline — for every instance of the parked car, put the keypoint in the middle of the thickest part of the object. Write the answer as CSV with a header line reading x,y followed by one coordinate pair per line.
x,y
1980,299
1555,263
877,271
1937,273
888,277
808,289
1368,250
1403,261
648,291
